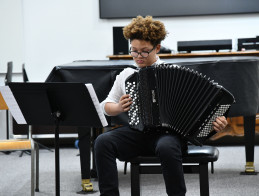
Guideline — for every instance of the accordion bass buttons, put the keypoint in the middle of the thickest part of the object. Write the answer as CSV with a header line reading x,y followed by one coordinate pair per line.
x,y
207,126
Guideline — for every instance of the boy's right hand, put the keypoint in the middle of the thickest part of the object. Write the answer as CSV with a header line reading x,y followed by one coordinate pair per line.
x,y
124,103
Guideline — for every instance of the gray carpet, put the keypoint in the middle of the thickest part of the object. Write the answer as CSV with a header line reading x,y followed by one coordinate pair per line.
x,y
226,181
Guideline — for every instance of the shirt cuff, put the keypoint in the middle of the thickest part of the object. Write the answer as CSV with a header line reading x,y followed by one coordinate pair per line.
x,y
102,104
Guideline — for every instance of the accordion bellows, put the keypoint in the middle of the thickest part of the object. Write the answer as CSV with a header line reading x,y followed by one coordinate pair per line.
x,y
176,99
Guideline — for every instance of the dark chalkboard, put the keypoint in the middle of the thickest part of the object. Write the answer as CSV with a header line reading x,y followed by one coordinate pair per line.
x,y
170,8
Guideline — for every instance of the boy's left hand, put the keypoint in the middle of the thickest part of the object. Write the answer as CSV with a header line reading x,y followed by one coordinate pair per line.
x,y
220,123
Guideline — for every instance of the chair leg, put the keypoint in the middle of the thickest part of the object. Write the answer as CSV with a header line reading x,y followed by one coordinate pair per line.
x,y
37,166
32,167
212,167
135,179
125,167
204,179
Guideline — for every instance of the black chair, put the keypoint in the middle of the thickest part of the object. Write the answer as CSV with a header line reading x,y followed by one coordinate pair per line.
x,y
196,160
8,76
24,74
8,79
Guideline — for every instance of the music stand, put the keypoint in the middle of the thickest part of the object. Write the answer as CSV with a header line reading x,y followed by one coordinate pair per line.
x,y
67,104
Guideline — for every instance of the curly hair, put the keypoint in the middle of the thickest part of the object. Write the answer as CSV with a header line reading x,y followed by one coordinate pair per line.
x,y
145,29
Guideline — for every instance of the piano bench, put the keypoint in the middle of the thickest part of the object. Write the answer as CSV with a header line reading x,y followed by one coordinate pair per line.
x,y
196,160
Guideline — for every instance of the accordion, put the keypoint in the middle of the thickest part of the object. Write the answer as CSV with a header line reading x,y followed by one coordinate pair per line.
x,y
176,99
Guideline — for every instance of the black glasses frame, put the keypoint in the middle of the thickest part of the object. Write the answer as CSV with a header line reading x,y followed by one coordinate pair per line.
x,y
141,53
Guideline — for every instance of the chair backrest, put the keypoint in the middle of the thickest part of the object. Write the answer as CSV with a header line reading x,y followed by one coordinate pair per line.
x,y
3,105
8,77
24,74
17,128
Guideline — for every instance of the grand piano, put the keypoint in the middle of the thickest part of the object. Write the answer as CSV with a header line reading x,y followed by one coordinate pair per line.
x,y
240,75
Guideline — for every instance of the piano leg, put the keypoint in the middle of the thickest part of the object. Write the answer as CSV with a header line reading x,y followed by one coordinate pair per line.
x,y
95,133
249,132
84,134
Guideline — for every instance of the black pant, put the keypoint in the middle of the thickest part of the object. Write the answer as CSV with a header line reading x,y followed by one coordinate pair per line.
x,y
124,143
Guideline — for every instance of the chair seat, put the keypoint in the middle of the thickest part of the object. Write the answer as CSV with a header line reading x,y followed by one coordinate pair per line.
x,y
197,157
25,144
198,154
194,154
9,145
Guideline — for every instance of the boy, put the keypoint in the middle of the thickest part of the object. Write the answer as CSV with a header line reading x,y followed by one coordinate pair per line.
x,y
145,35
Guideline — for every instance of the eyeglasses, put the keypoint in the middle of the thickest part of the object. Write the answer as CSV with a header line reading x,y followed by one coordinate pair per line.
x,y
144,54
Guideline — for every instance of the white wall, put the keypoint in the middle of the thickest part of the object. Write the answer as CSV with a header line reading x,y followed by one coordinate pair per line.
x,y
61,31
46,33
11,46
11,34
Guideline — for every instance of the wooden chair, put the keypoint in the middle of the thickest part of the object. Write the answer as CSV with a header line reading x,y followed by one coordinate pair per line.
x,y
196,160
23,144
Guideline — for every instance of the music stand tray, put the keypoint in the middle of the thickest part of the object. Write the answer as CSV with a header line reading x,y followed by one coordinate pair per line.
x,y
66,104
